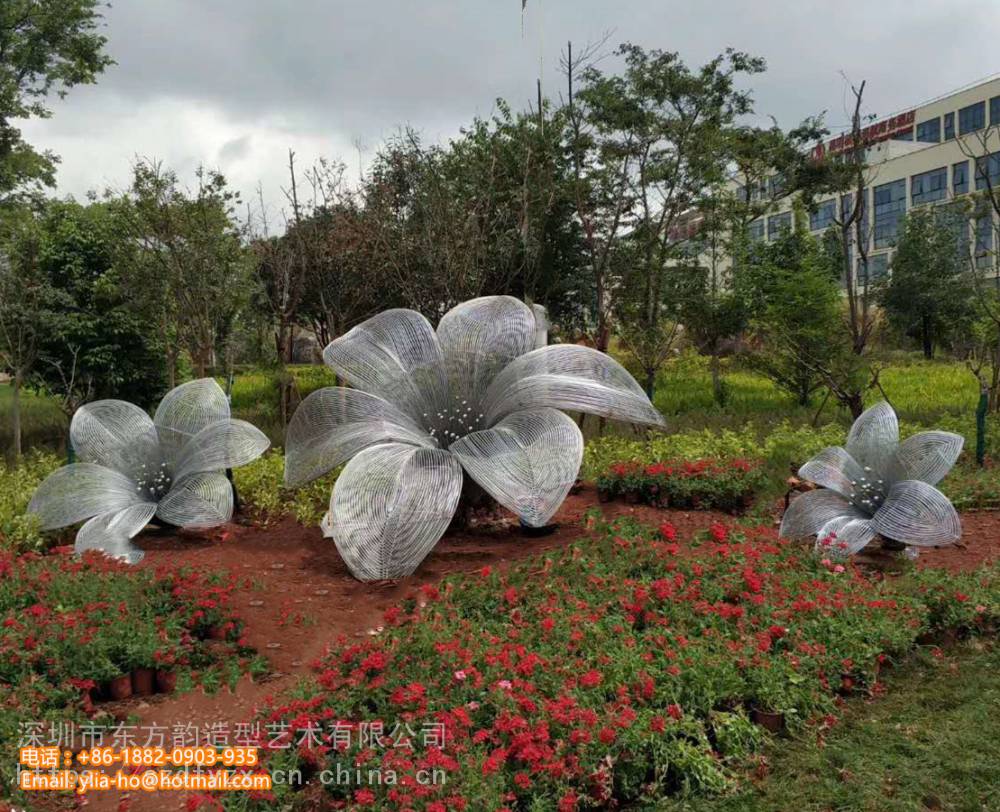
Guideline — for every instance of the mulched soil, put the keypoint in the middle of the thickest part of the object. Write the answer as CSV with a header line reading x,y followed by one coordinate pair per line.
x,y
302,598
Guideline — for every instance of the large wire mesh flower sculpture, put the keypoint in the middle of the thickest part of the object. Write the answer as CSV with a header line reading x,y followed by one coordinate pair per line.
x,y
426,405
133,468
878,486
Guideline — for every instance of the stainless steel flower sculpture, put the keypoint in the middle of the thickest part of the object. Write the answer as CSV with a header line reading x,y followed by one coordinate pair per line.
x,y
425,405
878,486
133,468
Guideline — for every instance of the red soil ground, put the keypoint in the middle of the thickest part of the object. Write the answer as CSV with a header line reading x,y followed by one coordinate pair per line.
x,y
303,598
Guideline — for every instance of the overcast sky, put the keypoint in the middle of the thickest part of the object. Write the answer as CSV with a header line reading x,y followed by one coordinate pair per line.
x,y
234,83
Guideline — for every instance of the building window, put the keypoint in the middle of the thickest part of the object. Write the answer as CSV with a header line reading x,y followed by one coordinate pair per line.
x,y
778,223
929,131
995,111
988,167
905,135
776,185
929,186
972,118
878,269
984,240
960,178
823,217
956,219
949,126
890,208
756,229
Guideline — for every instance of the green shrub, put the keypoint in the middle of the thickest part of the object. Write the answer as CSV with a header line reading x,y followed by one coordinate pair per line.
x,y
261,490
20,531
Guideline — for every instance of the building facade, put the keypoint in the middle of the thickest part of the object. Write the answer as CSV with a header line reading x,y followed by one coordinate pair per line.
x,y
940,153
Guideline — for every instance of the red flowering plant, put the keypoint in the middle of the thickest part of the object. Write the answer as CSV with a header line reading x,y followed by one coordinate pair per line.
x,y
611,672
69,625
706,483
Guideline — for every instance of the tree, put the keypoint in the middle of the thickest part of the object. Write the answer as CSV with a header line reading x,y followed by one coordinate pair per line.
x,y
24,297
646,143
191,272
929,292
797,320
91,342
45,46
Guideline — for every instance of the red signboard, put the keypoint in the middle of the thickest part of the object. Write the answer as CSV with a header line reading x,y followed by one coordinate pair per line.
x,y
879,131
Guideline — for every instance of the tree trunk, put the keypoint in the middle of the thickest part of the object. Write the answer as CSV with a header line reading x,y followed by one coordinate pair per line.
x,y
15,413
984,401
928,340
854,402
650,384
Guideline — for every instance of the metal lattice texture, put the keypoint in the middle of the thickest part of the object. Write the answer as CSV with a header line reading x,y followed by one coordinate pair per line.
x,y
475,392
391,504
570,377
134,468
527,462
877,486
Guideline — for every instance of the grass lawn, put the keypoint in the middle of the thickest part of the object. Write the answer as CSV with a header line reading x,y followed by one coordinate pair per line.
x,y
932,742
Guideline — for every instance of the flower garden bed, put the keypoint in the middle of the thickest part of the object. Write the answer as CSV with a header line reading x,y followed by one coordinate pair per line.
x,y
614,671
727,485
77,632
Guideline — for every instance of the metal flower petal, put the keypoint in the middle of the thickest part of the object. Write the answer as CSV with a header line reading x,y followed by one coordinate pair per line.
x,y
198,501
481,337
225,444
927,456
115,434
333,424
918,514
873,438
567,376
187,409
390,506
844,536
808,513
835,469
396,356
527,462
111,532
76,492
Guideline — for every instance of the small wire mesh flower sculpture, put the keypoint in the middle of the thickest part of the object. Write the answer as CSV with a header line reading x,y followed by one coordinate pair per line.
x,y
133,468
878,486
425,405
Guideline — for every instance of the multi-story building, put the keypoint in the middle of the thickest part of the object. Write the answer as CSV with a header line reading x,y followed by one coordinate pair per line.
x,y
937,153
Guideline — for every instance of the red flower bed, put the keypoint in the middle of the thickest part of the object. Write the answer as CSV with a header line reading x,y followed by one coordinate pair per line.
x,y
613,671
707,483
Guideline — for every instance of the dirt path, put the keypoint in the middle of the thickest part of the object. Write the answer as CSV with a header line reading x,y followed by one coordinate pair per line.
x,y
302,598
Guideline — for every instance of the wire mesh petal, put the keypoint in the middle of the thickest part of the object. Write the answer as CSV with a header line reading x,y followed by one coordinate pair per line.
x,y
390,506
481,337
527,462
76,492
225,444
111,532
198,500
333,424
567,376
927,456
187,409
919,514
115,434
809,512
396,356
835,469
844,536
873,438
